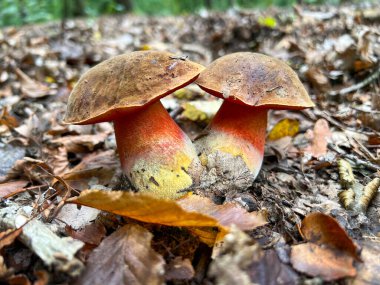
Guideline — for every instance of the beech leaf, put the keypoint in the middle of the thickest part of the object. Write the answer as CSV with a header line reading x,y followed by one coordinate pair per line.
x,y
191,211
124,257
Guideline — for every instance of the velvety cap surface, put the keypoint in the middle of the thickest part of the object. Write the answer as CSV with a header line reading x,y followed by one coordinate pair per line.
x,y
256,80
125,82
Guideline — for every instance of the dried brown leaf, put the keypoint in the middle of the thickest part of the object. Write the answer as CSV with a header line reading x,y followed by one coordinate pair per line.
x,y
8,189
324,230
320,137
8,237
31,88
329,252
42,278
179,269
81,143
315,260
191,211
125,257
19,279
368,271
91,234
101,165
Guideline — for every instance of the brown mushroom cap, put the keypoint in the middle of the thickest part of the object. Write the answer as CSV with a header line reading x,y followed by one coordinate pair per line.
x,y
126,82
254,79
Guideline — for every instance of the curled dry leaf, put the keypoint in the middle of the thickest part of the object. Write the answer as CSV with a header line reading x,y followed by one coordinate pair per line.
x,y
125,257
8,237
82,143
192,211
329,252
31,88
284,128
95,167
320,137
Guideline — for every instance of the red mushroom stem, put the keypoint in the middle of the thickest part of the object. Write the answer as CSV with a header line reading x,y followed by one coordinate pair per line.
x,y
235,137
155,154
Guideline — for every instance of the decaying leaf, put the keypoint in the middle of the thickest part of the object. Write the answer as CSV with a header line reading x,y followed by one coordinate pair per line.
x,y
95,168
90,234
8,237
242,261
30,87
285,127
191,211
368,271
125,257
82,143
179,269
320,137
8,189
329,252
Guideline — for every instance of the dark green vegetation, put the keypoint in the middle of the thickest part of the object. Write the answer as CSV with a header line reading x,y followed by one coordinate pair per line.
x,y
20,12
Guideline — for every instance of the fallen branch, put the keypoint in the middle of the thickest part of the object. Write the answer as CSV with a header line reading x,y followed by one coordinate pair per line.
x,y
357,86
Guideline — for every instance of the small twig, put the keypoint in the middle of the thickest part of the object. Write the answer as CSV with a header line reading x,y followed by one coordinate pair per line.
x,y
357,86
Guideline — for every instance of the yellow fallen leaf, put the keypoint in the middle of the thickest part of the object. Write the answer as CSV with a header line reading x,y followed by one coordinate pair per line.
x,y
285,127
197,213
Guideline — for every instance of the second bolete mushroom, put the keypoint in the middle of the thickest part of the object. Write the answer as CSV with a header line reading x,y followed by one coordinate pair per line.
x,y
155,154
232,147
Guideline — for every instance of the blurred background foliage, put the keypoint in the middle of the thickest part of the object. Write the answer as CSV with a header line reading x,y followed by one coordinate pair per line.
x,y
20,12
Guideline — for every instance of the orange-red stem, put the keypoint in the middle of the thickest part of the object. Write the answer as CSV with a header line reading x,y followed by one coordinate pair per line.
x,y
233,149
154,152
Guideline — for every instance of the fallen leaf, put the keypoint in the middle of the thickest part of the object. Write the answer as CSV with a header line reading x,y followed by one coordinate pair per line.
x,y
19,279
32,169
284,128
191,211
320,137
241,261
8,237
81,143
322,229
8,189
318,79
91,234
179,269
368,271
95,168
125,257
329,252
7,119
42,277
317,261
30,87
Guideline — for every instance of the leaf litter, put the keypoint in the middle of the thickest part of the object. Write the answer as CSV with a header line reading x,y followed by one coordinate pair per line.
x,y
335,51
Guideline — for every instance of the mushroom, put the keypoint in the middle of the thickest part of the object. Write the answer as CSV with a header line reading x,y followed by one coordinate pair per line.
x,y
155,154
232,146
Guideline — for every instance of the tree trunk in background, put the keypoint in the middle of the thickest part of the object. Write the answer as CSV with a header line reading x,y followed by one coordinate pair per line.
x,y
208,4
21,11
127,4
78,8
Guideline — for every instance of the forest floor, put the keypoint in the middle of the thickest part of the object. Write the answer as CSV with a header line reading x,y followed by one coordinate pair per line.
x,y
305,193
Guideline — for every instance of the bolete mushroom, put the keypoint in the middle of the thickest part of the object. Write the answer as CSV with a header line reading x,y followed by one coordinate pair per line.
x,y
232,146
155,154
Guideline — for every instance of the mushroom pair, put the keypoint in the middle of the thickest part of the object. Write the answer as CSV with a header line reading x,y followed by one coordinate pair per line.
x,y
155,154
